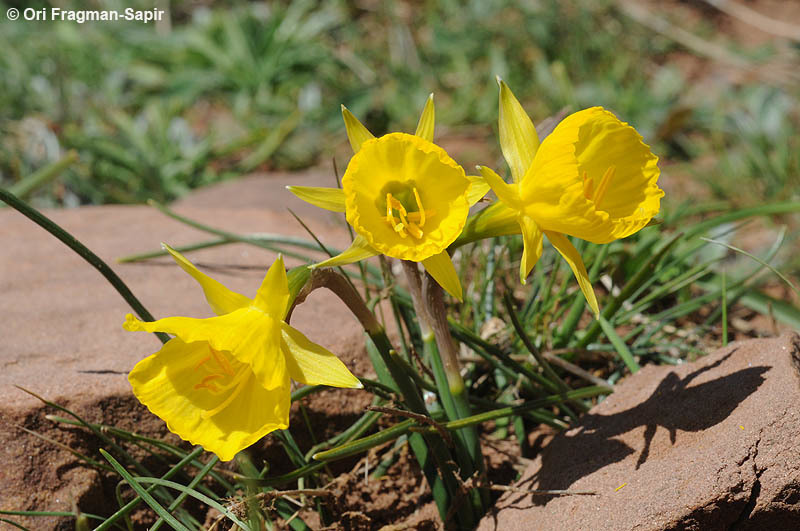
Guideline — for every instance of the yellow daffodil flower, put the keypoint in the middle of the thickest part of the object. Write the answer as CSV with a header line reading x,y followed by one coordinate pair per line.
x,y
223,382
404,196
593,178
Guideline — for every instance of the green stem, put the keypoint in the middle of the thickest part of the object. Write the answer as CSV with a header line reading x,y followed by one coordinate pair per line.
x,y
24,187
401,428
428,300
224,234
430,450
494,220
84,252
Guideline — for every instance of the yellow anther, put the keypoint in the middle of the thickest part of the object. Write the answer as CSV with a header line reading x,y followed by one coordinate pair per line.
x,y
237,389
223,363
399,228
421,209
414,230
587,186
416,216
390,205
403,221
207,383
409,222
397,205
202,362
603,186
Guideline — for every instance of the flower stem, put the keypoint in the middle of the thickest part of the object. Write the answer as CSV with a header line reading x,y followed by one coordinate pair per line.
x,y
430,450
438,345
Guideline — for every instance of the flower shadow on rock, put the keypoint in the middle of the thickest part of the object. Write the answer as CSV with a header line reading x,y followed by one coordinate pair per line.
x,y
673,405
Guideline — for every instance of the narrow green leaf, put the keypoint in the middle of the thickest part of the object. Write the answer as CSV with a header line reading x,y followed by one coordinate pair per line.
x,y
365,443
196,495
146,497
28,185
619,344
759,260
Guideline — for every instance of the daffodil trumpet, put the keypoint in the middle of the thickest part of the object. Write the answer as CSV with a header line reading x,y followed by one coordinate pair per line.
x,y
224,382
404,196
592,178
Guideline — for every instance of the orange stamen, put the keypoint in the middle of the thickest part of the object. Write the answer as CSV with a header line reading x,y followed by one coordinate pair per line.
x,y
421,209
603,186
238,389
587,186
207,383
414,230
409,222
392,203
223,363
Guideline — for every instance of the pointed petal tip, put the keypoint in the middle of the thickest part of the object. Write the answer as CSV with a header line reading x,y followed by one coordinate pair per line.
x,y
131,324
359,385
499,80
430,96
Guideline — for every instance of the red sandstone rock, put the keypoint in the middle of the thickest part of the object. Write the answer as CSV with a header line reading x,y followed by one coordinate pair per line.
x,y
707,445
61,322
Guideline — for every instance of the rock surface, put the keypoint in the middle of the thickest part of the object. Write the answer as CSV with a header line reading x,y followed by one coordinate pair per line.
x,y
61,322
706,445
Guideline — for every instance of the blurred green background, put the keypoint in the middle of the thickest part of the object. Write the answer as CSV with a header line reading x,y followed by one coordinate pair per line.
x,y
221,89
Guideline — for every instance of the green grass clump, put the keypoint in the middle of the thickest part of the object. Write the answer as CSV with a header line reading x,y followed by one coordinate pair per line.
x,y
236,87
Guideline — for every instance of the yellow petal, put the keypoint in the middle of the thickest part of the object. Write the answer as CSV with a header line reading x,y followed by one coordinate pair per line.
x,y
249,334
588,152
221,299
167,383
328,198
507,193
518,138
532,237
358,250
570,254
442,270
356,132
426,121
273,295
478,188
312,364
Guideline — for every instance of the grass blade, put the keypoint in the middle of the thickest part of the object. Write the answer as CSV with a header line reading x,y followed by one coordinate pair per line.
x,y
35,180
619,344
143,494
